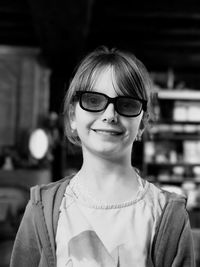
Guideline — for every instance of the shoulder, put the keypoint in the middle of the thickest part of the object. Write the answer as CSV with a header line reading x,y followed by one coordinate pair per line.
x,y
160,198
40,192
156,190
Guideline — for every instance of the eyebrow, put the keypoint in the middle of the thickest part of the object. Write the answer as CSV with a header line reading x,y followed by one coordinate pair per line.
x,y
96,91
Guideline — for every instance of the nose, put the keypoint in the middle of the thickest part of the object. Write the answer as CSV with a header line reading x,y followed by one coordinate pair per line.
x,y
109,114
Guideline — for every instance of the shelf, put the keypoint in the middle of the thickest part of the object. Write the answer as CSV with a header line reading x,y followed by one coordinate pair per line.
x,y
172,146
179,95
171,165
176,130
174,137
172,122
173,182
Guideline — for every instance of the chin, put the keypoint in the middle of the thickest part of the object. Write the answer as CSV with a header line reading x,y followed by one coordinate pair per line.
x,y
109,151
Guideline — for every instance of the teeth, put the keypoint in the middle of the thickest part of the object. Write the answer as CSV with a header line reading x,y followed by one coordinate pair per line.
x,y
107,132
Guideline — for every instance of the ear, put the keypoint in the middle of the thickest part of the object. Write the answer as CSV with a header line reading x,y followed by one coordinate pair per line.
x,y
139,135
144,121
72,117
143,124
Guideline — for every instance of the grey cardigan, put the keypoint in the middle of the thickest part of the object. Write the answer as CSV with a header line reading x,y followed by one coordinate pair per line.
x,y
35,241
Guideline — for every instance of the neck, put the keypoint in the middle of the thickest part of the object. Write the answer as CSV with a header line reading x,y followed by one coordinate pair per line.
x,y
105,167
105,177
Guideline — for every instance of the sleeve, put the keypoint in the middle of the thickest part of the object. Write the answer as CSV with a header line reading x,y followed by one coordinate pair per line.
x,y
173,243
26,249
185,249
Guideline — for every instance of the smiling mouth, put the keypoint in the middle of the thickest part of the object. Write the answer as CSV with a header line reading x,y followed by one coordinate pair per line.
x,y
107,132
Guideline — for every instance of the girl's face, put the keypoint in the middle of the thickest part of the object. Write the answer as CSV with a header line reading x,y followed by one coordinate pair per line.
x,y
105,133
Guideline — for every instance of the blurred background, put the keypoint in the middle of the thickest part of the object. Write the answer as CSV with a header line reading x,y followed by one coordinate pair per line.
x,y
40,44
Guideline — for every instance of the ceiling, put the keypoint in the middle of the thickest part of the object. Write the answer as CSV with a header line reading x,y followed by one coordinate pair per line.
x,y
163,34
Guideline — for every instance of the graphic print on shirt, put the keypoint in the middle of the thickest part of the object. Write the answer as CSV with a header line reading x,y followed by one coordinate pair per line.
x,y
89,236
87,250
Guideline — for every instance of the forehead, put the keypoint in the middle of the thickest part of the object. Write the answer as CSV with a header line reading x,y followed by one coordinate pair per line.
x,y
123,80
105,80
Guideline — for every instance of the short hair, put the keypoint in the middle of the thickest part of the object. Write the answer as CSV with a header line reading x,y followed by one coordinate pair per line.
x,y
130,78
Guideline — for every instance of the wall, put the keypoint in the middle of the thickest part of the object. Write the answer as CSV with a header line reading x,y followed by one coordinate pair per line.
x,y
24,92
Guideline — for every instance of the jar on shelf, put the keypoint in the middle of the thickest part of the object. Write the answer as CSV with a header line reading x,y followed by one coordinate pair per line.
x,y
178,173
149,151
196,172
164,176
180,111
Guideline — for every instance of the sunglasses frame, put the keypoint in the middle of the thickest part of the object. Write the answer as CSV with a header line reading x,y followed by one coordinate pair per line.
x,y
113,100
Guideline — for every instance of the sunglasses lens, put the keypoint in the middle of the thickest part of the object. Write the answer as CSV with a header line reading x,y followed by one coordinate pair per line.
x,y
93,102
128,106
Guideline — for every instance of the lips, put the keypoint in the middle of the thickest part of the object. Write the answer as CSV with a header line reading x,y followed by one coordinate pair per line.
x,y
108,131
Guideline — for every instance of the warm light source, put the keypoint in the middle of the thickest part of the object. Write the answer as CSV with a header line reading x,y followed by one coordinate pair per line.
x,y
38,143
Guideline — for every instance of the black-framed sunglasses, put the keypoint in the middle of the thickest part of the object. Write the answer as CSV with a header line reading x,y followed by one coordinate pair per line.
x,y
124,105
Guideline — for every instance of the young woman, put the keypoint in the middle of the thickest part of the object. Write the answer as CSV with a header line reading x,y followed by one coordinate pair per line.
x,y
106,214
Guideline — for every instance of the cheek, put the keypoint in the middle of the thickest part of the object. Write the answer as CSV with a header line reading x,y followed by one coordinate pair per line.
x,y
83,119
72,117
133,124
133,128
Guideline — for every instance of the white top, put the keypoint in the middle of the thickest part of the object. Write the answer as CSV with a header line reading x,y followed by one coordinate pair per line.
x,y
93,234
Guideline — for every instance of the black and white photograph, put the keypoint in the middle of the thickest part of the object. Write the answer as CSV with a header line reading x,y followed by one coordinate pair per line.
x,y
99,133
